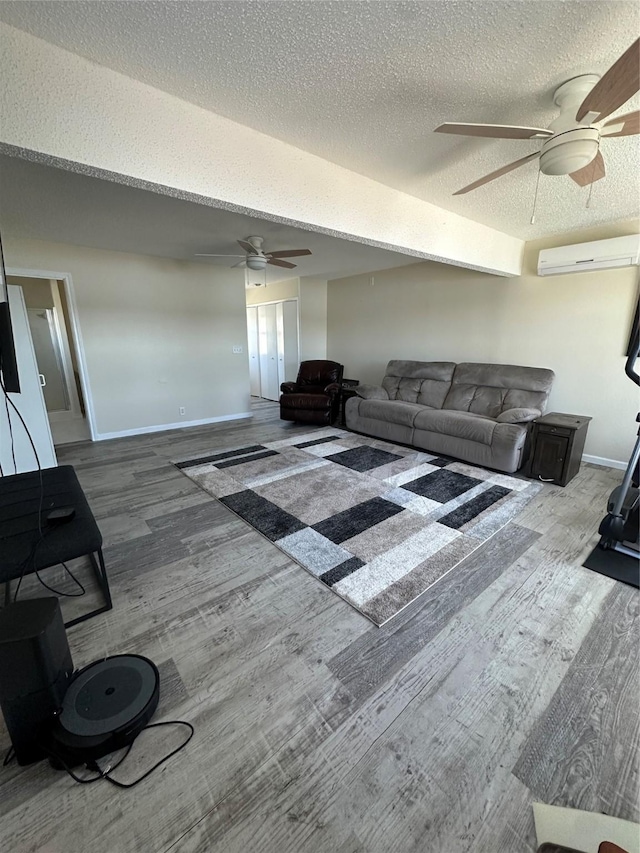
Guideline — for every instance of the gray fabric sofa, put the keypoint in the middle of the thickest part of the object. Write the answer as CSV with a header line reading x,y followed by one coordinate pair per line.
x,y
475,412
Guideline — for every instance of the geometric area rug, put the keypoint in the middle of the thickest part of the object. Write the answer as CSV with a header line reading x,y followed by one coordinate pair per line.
x,y
376,523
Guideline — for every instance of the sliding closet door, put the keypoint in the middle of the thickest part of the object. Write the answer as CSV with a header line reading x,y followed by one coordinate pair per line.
x,y
280,340
288,361
268,348
254,352
287,323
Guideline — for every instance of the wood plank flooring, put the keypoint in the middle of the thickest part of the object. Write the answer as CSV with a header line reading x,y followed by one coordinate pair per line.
x,y
513,680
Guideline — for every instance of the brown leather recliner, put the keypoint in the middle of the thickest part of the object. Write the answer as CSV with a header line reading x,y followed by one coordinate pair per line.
x,y
314,397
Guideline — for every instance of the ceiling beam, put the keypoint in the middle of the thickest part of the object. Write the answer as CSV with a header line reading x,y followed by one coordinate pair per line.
x,y
63,109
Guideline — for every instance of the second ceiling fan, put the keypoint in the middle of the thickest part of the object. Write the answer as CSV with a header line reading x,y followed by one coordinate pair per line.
x,y
572,141
257,259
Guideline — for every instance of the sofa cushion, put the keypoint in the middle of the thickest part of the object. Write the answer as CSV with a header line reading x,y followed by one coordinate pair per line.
x,y
490,389
518,416
391,411
371,392
425,382
458,424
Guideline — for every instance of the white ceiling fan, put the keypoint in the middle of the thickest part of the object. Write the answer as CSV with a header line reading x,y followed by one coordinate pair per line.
x,y
256,259
572,141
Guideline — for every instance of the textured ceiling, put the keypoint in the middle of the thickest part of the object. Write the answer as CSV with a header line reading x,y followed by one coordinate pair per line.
x,y
364,84
44,203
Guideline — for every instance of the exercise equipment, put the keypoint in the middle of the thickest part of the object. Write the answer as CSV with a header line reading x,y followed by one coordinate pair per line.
x,y
619,528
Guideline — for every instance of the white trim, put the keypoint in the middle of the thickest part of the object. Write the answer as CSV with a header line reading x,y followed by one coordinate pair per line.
x,y
28,344
601,460
67,281
273,301
105,436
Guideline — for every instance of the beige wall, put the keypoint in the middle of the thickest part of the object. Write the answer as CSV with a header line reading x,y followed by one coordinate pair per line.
x,y
37,291
274,292
578,325
313,318
158,334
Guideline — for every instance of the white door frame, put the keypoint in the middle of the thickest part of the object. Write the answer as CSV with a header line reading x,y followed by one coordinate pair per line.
x,y
67,361
275,302
67,283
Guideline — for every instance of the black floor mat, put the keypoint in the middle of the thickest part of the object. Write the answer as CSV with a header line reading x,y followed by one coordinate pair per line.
x,y
614,565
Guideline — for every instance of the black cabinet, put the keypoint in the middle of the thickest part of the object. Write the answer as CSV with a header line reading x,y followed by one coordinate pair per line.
x,y
557,442
347,390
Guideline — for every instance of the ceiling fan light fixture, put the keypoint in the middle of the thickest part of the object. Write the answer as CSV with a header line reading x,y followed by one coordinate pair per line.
x,y
256,262
569,151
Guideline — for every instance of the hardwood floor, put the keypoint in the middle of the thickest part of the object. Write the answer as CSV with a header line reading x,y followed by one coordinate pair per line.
x,y
514,679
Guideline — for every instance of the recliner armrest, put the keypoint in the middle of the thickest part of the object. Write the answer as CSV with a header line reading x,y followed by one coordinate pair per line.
x,y
289,387
371,392
518,416
332,388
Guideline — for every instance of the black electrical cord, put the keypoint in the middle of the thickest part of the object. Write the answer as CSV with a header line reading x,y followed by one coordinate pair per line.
x,y
162,760
92,765
105,774
41,539
10,425
31,558
9,402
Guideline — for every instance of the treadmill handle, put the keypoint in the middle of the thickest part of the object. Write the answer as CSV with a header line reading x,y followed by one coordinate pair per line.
x,y
629,367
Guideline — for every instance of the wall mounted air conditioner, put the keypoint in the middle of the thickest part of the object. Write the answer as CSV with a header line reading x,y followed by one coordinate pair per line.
x,y
600,255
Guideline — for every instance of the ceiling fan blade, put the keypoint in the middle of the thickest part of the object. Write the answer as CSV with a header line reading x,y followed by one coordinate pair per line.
x,y
626,125
494,131
241,264
619,83
278,263
248,247
498,173
590,173
218,256
289,253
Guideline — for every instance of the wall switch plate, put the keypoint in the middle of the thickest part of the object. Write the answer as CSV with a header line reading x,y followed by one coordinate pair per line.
x,y
182,410
237,350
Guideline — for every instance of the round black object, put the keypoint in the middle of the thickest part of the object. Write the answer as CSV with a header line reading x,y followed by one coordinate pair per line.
x,y
106,706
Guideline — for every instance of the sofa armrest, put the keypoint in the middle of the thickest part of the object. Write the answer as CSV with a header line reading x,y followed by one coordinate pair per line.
x,y
332,389
518,416
288,387
371,392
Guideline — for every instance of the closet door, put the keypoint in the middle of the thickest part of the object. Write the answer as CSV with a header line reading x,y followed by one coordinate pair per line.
x,y
268,349
254,352
291,357
287,325
280,340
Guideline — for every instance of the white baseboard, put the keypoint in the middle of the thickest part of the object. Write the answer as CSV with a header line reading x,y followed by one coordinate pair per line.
x,y
105,436
601,460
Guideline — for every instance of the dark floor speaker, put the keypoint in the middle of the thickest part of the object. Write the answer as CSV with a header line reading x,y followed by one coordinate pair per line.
x,y
35,672
106,706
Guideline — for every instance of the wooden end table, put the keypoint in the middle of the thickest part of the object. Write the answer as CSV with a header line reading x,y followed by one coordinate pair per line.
x,y
348,389
557,442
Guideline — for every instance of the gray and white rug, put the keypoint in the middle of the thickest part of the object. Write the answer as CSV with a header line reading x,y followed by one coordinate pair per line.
x,y
375,522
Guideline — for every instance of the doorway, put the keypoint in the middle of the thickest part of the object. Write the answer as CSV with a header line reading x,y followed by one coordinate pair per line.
x,y
272,330
56,356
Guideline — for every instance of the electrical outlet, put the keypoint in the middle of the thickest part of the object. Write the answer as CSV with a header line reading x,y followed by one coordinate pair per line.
x,y
237,350
182,410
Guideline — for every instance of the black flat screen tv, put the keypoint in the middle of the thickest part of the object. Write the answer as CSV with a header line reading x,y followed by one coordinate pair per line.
x,y
8,362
